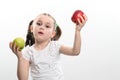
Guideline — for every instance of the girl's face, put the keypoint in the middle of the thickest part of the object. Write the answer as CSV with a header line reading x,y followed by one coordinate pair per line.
x,y
43,28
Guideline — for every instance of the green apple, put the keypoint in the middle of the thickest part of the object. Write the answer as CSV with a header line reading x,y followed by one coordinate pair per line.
x,y
19,42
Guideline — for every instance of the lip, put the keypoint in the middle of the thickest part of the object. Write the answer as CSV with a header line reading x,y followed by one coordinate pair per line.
x,y
40,32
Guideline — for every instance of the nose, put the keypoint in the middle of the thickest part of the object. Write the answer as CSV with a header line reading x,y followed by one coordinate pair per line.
x,y
42,27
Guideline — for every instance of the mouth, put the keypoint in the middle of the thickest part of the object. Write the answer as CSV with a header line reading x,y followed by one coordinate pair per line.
x,y
41,33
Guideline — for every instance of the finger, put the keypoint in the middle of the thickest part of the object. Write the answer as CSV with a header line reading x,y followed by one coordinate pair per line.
x,y
10,45
82,19
78,19
18,49
85,17
14,47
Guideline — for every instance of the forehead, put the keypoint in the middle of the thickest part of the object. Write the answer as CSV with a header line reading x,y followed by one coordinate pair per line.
x,y
44,18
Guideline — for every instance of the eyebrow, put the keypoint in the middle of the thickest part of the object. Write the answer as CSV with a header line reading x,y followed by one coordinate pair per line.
x,y
46,22
38,20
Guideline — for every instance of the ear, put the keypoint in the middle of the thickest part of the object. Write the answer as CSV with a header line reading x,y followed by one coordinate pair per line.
x,y
53,34
31,28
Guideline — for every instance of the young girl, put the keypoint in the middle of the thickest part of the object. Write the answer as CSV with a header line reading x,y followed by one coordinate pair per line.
x,y
42,51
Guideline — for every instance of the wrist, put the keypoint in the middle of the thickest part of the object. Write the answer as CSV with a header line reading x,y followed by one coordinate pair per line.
x,y
77,32
78,29
20,57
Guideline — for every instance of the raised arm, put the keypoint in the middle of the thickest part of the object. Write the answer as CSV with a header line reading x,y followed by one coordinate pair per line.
x,y
23,65
75,50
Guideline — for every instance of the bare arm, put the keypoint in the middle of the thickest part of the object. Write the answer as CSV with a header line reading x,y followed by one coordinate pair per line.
x,y
23,69
23,65
75,50
76,46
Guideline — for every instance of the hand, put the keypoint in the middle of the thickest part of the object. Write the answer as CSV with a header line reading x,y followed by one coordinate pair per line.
x,y
15,49
81,23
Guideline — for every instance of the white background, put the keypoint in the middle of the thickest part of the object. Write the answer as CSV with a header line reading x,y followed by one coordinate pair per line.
x,y
100,52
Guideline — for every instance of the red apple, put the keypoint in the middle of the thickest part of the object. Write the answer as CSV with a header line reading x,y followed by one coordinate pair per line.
x,y
77,15
19,42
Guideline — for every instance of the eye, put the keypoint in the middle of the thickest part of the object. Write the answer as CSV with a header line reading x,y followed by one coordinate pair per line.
x,y
47,26
38,23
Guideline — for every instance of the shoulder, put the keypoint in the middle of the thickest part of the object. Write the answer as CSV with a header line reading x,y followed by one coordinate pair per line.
x,y
55,44
27,50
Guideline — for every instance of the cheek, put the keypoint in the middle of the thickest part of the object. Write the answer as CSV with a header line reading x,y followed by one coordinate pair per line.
x,y
49,33
35,30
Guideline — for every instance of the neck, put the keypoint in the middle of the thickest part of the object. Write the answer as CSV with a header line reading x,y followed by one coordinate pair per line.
x,y
41,45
